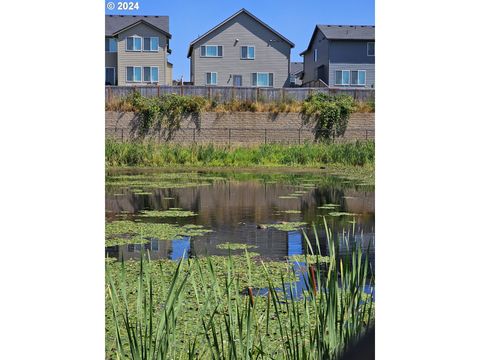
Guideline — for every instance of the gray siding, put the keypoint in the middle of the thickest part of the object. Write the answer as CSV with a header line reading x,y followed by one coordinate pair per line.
x,y
350,51
370,72
111,61
272,54
131,58
310,67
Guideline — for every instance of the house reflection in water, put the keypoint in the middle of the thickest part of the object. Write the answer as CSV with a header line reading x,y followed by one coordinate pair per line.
x,y
180,248
295,243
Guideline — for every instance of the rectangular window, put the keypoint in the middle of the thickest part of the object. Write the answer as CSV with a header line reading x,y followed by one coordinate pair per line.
x,y
150,44
358,77
150,74
109,76
111,45
315,55
248,52
134,74
211,51
134,43
262,79
342,77
211,78
371,49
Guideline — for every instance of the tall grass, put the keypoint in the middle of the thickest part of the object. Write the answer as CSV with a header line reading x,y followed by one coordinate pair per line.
x,y
332,312
151,154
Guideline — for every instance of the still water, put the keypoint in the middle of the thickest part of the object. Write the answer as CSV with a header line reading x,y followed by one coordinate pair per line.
x,y
237,206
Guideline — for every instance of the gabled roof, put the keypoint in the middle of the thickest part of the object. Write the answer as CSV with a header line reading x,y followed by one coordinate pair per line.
x,y
296,67
115,24
244,11
343,32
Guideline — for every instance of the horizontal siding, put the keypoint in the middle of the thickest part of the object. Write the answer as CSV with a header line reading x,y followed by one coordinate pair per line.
x,y
129,58
272,54
370,72
310,66
350,52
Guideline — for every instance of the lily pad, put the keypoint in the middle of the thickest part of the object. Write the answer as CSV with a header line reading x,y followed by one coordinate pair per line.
x,y
235,246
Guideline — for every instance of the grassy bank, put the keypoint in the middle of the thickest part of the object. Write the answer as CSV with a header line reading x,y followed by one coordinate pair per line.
x,y
147,154
312,307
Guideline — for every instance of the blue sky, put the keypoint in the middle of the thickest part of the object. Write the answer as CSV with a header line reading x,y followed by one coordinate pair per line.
x,y
293,19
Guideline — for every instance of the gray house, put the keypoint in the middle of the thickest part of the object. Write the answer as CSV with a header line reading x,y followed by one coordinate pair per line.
x,y
136,50
340,56
296,73
241,51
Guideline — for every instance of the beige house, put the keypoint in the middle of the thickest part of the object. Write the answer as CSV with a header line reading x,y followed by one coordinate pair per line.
x,y
136,50
241,51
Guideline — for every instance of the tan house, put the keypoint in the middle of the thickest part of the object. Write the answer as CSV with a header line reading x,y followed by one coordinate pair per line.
x,y
136,50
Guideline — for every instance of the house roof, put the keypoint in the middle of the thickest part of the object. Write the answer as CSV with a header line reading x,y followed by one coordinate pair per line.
x,y
343,32
296,67
115,24
244,11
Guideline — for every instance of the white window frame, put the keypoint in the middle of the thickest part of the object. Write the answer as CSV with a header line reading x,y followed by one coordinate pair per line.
x,y
114,73
358,71
207,56
150,37
315,55
247,58
126,74
211,72
268,76
349,78
151,72
368,43
133,37
116,45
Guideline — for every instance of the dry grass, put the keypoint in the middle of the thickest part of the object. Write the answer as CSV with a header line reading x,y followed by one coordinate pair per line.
x,y
125,104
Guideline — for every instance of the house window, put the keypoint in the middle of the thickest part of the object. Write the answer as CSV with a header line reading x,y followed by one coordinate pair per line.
x,y
342,77
211,51
150,74
150,44
358,77
248,52
262,79
211,78
315,55
292,79
109,76
134,43
134,74
371,49
111,45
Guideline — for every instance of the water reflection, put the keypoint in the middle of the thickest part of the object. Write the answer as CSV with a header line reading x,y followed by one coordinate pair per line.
x,y
234,209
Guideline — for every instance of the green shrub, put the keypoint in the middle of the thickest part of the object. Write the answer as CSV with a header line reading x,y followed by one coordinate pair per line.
x,y
329,114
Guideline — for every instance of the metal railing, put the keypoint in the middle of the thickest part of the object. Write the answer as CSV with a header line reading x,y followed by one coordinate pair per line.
x,y
224,136
229,93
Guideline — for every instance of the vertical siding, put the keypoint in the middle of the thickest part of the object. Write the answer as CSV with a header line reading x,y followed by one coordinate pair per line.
x,y
169,73
272,54
132,58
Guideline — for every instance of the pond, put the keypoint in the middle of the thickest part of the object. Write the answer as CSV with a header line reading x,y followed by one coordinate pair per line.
x,y
216,213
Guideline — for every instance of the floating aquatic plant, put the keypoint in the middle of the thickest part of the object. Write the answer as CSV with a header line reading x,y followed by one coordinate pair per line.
x,y
235,246
167,213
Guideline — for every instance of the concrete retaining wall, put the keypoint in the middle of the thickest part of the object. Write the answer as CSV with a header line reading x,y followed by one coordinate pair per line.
x,y
236,128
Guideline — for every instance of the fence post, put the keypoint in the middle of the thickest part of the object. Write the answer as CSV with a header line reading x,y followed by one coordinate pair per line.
x,y
256,94
299,135
181,90
158,90
265,136
366,134
209,89
194,135
229,136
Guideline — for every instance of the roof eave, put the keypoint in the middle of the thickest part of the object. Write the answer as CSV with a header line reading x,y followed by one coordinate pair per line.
x,y
167,34
292,45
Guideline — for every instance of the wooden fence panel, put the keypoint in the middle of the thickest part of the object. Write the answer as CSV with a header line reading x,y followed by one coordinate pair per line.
x,y
228,93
